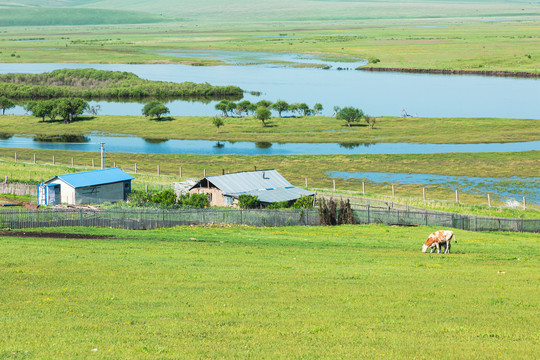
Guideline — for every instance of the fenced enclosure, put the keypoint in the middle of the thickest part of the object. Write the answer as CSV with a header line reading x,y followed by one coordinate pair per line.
x,y
17,189
140,219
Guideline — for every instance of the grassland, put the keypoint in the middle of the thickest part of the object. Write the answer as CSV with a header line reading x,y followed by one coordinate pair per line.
x,y
307,129
239,292
424,34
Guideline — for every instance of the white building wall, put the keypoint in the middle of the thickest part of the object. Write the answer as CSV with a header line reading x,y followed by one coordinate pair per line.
x,y
67,192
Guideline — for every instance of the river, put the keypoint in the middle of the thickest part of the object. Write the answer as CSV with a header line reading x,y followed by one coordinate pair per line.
x,y
377,93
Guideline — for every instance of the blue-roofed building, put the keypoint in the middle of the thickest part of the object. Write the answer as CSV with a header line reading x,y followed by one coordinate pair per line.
x,y
268,185
88,187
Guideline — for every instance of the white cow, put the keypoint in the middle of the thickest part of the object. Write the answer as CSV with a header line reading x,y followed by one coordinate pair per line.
x,y
439,238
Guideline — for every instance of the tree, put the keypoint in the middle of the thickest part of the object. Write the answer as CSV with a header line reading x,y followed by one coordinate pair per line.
x,y
5,104
349,114
248,201
155,108
94,109
70,108
264,104
371,121
231,106
304,108
280,106
222,106
252,108
217,121
243,106
317,108
262,114
294,108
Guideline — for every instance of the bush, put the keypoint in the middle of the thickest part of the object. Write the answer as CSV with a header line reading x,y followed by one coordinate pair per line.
x,y
279,205
196,201
304,202
165,198
248,201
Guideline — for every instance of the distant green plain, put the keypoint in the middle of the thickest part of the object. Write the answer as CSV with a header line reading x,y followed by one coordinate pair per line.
x,y
312,129
475,35
357,292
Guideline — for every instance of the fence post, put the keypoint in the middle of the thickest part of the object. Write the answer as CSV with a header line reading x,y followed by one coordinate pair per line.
x,y
146,188
363,188
114,164
306,184
204,173
53,160
457,196
368,220
15,156
158,169
424,193
489,200
180,171
524,204
34,158
334,182
393,191
135,168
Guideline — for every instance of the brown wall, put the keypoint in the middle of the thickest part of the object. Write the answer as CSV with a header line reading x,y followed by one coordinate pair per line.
x,y
217,198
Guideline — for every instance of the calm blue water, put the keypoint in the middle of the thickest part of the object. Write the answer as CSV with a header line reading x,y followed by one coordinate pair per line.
x,y
507,188
140,145
377,94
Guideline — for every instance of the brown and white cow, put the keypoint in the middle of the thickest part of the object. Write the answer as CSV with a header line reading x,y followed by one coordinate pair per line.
x,y
439,238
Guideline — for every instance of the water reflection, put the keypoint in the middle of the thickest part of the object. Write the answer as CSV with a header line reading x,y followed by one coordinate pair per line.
x,y
62,138
155,140
354,145
219,145
263,145
5,136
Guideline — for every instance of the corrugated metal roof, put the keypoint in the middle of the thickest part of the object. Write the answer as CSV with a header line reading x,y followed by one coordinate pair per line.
x,y
268,185
95,177
276,195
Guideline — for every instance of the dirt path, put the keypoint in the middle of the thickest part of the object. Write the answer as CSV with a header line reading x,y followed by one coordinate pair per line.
x,y
53,235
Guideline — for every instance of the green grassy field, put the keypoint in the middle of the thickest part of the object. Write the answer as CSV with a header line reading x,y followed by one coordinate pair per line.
x,y
477,35
306,129
359,292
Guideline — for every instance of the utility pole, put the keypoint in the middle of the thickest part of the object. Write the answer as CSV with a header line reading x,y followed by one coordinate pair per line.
x,y
102,156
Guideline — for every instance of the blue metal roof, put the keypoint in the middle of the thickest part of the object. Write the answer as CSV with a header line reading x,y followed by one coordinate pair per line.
x,y
95,177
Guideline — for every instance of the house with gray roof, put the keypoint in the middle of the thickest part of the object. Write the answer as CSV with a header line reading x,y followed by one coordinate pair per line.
x,y
268,185
88,187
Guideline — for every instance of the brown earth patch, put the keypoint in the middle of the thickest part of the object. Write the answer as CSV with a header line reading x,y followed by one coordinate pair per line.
x,y
53,235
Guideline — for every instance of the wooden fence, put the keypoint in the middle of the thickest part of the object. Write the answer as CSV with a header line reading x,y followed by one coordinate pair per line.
x,y
139,219
18,189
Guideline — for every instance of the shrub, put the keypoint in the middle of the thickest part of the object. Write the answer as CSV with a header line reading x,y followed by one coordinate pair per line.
x,y
197,201
248,201
279,205
304,202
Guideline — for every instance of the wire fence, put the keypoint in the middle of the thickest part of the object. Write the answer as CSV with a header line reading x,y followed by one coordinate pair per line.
x,y
140,219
